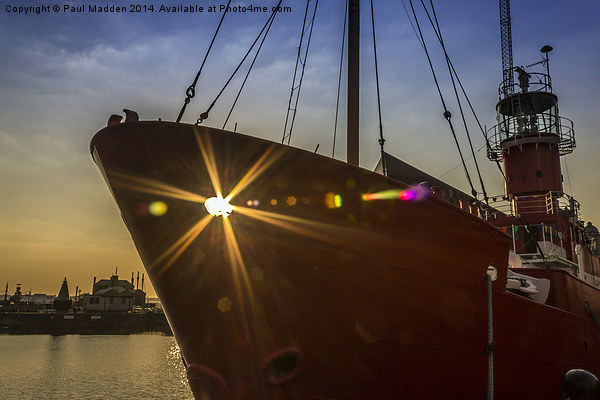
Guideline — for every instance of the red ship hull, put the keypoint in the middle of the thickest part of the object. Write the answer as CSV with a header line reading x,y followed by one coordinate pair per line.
x,y
309,291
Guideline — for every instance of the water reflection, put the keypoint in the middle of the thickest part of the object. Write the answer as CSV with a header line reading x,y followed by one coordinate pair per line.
x,y
92,367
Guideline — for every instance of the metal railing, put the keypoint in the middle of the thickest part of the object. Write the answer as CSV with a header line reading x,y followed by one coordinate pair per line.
x,y
549,203
517,130
542,84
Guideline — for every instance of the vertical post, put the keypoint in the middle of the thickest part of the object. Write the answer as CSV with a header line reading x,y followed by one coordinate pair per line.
x,y
544,238
353,108
513,238
491,345
560,236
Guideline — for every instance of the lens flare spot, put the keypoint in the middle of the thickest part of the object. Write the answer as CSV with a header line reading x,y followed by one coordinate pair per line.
x,y
224,304
218,206
273,202
157,208
414,193
383,195
333,200
408,195
291,201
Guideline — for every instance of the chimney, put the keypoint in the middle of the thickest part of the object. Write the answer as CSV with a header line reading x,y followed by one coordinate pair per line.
x,y
142,281
137,286
131,278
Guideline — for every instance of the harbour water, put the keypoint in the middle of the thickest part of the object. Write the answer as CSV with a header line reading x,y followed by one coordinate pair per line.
x,y
91,367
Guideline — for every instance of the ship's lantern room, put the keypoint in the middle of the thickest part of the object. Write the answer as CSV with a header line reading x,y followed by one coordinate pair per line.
x,y
528,114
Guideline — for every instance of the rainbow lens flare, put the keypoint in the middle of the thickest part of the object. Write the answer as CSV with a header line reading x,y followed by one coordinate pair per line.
x,y
333,200
413,193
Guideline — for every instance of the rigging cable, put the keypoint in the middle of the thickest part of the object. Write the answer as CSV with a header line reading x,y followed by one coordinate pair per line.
x,y
298,61
438,32
248,73
204,115
459,164
381,139
568,176
447,113
337,105
411,23
303,63
191,90
486,139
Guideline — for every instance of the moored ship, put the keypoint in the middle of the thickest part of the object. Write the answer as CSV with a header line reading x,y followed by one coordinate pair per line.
x,y
286,274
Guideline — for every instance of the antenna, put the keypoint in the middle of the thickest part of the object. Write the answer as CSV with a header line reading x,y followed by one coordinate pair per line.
x,y
547,49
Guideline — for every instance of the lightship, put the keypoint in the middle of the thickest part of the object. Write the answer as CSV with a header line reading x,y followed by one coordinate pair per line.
x,y
285,274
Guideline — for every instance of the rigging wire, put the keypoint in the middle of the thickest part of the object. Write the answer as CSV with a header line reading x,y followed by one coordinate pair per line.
x,y
303,63
447,113
298,61
568,176
459,164
411,23
191,90
248,73
486,139
381,139
204,115
337,105
487,142
438,32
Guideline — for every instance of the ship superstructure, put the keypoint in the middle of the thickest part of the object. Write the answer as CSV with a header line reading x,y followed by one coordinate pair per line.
x,y
529,139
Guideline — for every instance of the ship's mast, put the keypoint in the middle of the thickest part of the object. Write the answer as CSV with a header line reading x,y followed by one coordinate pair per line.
x,y
353,82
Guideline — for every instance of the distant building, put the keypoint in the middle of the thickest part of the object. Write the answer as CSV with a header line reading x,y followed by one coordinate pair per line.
x,y
113,282
112,294
39,299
